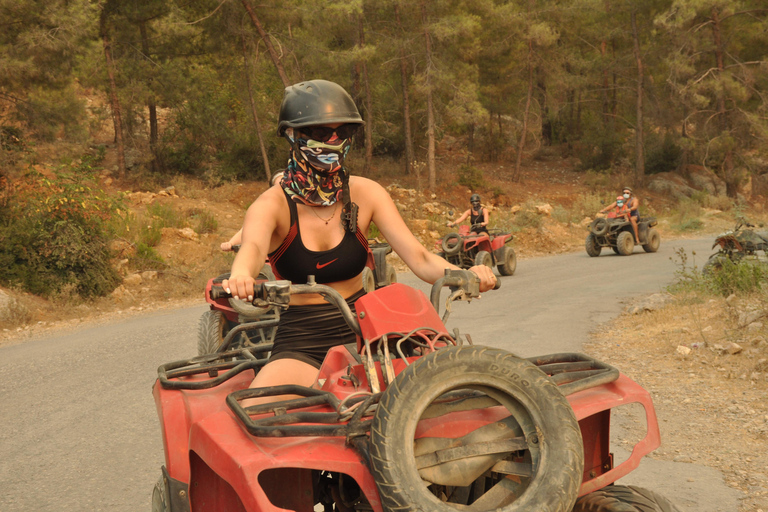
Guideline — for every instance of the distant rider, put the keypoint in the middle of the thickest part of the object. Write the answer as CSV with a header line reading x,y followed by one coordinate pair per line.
x,y
478,216
631,204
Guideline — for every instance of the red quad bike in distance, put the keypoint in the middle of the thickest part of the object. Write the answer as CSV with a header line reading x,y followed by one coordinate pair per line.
x,y
409,418
490,249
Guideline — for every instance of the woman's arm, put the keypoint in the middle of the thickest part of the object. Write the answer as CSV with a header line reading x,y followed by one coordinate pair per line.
x,y
485,217
426,265
235,240
458,221
258,227
612,205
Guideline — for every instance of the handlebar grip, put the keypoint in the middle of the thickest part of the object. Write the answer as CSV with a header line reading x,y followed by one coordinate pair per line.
x,y
218,292
498,284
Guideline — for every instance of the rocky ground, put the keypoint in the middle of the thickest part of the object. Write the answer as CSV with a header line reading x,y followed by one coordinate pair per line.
x,y
705,364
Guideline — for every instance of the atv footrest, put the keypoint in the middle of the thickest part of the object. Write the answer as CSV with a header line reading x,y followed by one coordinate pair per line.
x,y
574,372
343,419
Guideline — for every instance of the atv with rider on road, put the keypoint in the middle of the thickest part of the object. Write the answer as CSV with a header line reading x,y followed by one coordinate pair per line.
x,y
411,417
616,232
467,248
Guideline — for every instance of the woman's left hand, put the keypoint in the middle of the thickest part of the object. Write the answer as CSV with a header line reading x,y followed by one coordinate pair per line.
x,y
486,275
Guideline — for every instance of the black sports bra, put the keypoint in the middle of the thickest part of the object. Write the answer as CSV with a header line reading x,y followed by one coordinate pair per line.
x,y
294,262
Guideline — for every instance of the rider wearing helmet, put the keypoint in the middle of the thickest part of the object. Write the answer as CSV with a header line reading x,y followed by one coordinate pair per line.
x,y
623,207
315,222
478,216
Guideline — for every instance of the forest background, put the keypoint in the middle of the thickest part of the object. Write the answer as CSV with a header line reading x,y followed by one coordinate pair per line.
x,y
193,88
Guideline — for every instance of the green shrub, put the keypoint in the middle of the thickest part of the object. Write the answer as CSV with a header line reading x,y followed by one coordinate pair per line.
x,y
204,221
146,258
739,277
54,234
662,156
470,177
527,218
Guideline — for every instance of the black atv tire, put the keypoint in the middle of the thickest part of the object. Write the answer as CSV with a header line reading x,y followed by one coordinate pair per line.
x,y
593,248
599,226
369,280
451,244
654,241
549,462
507,261
391,274
625,243
484,258
624,498
160,497
211,331
616,250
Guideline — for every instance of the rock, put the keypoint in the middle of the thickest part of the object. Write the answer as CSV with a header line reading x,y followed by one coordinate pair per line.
x,y
747,317
585,222
734,348
731,299
650,303
149,275
515,209
132,280
755,326
672,184
704,179
189,234
544,209
434,234
683,350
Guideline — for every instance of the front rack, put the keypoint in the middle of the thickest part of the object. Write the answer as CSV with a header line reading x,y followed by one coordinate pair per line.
x,y
350,418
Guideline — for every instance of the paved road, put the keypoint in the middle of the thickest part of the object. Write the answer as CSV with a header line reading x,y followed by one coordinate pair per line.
x,y
78,428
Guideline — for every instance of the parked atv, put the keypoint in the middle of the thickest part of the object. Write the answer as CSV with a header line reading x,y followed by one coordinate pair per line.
x,y
737,245
617,234
378,273
466,250
409,418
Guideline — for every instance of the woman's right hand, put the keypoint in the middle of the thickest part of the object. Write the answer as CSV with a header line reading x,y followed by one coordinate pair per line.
x,y
240,286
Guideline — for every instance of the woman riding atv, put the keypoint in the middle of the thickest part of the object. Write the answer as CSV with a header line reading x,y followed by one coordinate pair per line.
x,y
310,226
478,216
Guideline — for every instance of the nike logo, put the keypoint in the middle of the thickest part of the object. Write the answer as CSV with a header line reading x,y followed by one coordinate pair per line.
x,y
319,266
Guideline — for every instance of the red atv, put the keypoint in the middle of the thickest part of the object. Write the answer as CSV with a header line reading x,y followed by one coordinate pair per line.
x,y
466,250
410,418
233,324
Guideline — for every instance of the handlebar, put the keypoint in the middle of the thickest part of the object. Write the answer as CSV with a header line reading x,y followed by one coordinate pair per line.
x,y
464,285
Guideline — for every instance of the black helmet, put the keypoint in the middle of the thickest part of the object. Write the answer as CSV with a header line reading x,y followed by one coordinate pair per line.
x,y
316,102
474,198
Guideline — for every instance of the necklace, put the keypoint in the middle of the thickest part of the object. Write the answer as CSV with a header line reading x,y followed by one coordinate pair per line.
x,y
329,218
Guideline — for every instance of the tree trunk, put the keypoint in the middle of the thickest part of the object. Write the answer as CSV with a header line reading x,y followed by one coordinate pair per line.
x,y
409,156
259,134
521,145
267,42
368,101
639,135
731,182
430,106
113,99
151,106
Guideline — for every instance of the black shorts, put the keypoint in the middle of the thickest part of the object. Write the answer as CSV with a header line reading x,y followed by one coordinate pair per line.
x,y
306,333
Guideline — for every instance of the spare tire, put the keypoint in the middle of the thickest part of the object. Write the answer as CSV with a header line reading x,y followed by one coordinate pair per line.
x,y
428,454
599,226
451,244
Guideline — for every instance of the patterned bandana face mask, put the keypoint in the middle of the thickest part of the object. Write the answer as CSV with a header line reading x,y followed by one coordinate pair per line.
x,y
315,171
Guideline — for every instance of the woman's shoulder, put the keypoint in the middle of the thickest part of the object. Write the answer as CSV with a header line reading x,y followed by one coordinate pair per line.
x,y
365,187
